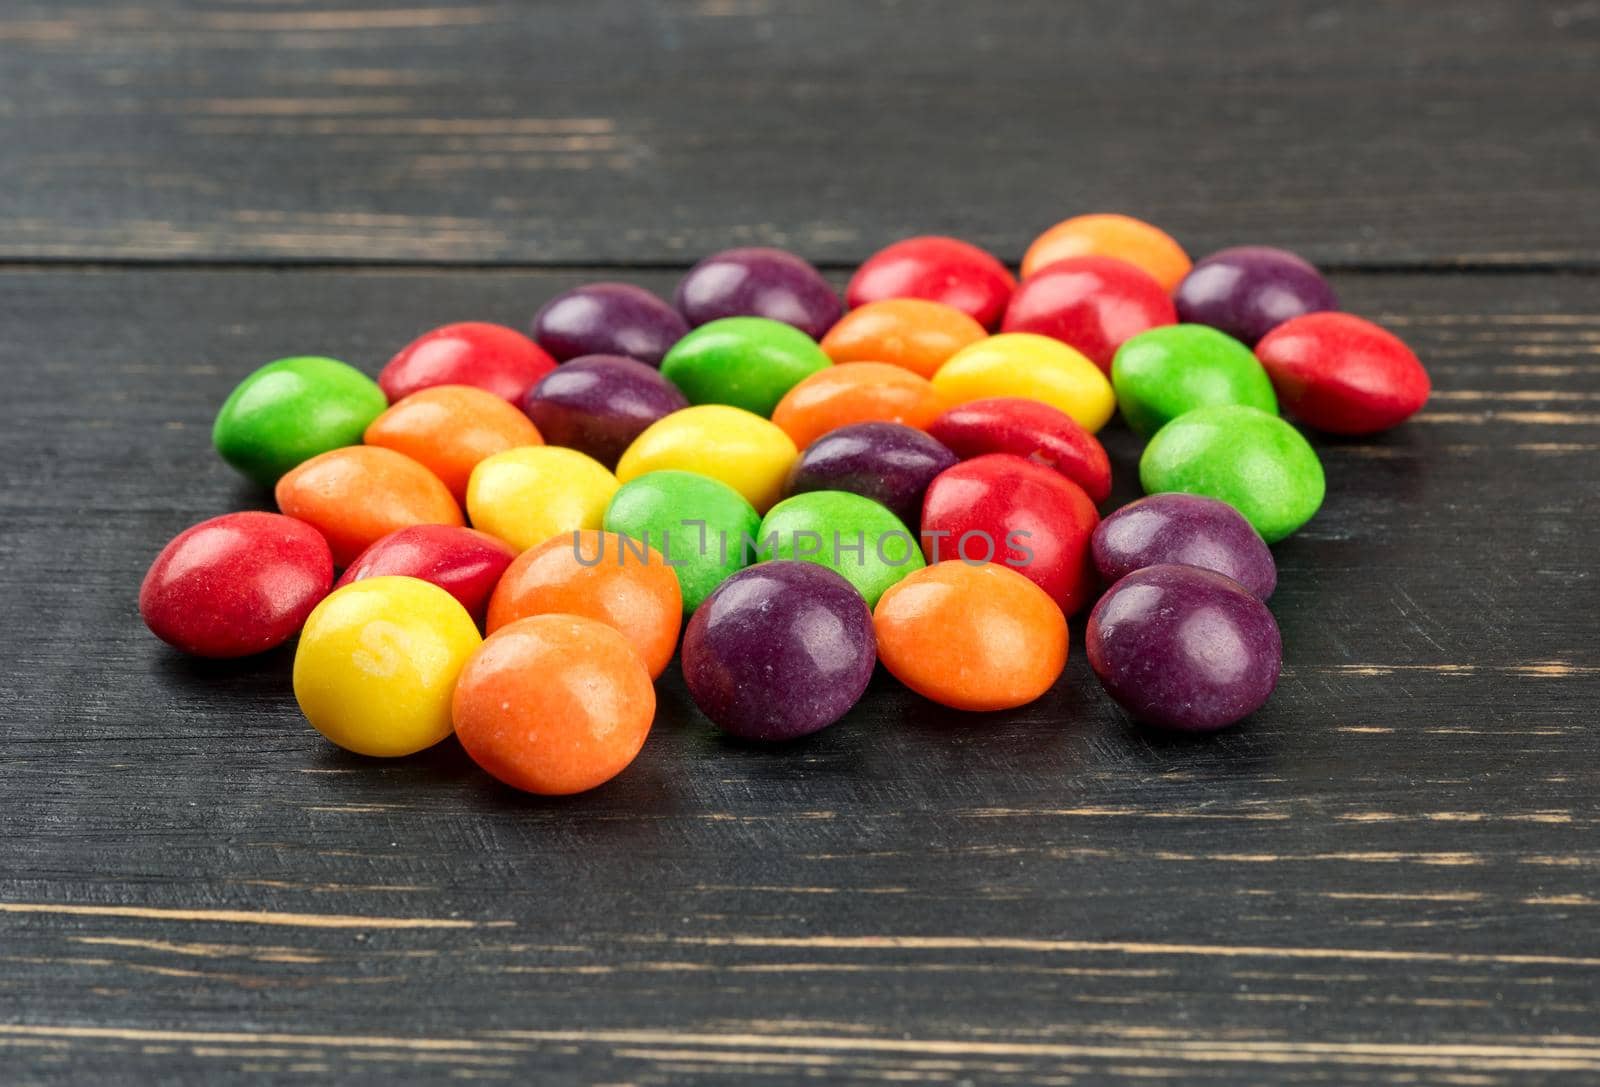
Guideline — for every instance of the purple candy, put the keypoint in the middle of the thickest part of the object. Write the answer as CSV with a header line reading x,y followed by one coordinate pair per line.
x,y
779,650
1249,290
1183,528
759,282
608,319
598,404
889,463
1184,648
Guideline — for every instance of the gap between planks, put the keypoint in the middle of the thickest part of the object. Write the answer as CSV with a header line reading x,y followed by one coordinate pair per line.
x,y
1556,1053
1512,266
247,917
880,942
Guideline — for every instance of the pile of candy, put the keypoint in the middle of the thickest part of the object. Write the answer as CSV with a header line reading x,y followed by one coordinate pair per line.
x,y
801,490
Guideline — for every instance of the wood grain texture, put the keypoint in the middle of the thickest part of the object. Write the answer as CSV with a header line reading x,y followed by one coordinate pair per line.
x,y
627,131
1390,875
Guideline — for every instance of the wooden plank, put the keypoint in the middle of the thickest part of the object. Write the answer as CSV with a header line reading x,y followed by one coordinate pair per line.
x,y
623,132
1389,875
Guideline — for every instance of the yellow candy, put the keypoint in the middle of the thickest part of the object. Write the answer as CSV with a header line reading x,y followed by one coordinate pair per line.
x,y
743,450
377,664
528,495
1036,367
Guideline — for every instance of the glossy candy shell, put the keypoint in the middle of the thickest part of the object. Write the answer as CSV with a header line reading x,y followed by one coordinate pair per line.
x,y
856,392
758,282
1183,648
912,333
600,576
358,495
450,429
853,536
554,705
741,449
497,359
599,404
235,585
1032,367
463,562
291,410
744,362
1189,529
1255,462
779,651
608,319
1027,428
1343,374
886,462
939,269
971,637
1160,374
1095,304
1020,515
377,662
1122,237
1249,290
676,513
529,495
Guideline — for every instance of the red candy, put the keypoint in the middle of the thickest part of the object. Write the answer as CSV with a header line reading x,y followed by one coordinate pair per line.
x,y
234,585
1342,374
1028,429
493,357
463,562
1091,303
946,270
1016,513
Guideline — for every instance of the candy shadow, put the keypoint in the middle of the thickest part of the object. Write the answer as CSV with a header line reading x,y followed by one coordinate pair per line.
x,y
1123,448
1060,733
175,664
675,710
1242,751
678,716
650,786
1165,741
248,495
445,761
692,734
448,775
256,681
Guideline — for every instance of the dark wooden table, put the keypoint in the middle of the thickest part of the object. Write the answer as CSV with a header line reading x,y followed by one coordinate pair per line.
x,y
1390,875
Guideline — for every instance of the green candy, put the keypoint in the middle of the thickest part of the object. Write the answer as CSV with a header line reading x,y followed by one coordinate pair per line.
x,y
291,410
749,362
704,527
1254,461
853,536
1160,374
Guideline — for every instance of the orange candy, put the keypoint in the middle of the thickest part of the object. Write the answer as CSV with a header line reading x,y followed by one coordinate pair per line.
x,y
357,495
600,576
856,392
554,704
1120,236
448,429
971,637
910,332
